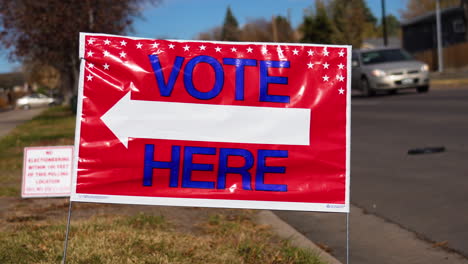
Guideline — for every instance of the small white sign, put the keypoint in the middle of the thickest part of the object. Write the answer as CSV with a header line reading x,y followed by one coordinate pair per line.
x,y
47,171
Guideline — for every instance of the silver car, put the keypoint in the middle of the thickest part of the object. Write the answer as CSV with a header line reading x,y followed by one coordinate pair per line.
x,y
388,69
34,100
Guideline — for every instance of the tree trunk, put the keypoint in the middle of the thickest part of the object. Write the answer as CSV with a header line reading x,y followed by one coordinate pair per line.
x,y
69,76
67,82
75,73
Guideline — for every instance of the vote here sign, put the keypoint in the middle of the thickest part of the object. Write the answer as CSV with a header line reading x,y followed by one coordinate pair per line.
x,y
213,124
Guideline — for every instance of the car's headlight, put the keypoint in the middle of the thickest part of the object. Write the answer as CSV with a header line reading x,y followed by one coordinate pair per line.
x,y
378,73
425,68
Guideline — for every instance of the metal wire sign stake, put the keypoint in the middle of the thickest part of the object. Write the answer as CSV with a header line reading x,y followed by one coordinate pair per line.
x,y
65,244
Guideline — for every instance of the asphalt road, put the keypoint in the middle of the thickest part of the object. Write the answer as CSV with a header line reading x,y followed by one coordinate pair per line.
x,y
425,197
12,118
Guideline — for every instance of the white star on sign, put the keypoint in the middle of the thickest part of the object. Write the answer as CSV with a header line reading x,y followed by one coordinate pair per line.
x,y
341,53
310,65
218,49
122,54
106,53
325,65
295,52
325,52
123,43
90,53
249,50
233,49
341,91
90,77
139,45
171,46
325,78
264,50
202,47
106,66
90,41
340,66
340,78
106,42
90,65
186,47
155,45
310,52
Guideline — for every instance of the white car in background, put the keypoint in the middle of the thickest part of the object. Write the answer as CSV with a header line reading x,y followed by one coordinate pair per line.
x,y
34,100
388,69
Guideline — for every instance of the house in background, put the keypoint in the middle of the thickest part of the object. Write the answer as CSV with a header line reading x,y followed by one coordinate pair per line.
x,y
12,86
419,37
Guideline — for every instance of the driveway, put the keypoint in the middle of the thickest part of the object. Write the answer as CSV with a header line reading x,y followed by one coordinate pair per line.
x,y
10,119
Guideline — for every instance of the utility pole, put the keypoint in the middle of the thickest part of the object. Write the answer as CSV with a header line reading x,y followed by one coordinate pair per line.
x,y
384,24
440,57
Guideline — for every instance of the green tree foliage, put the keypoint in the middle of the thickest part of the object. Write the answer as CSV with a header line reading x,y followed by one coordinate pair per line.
x,y
41,74
261,30
317,28
416,8
284,31
211,34
352,21
230,29
258,30
47,31
393,26
339,22
369,17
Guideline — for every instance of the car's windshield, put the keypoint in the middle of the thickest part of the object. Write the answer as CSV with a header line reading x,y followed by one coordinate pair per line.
x,y
381,56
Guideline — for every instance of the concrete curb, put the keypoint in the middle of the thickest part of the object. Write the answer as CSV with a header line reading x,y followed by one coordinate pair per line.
x,y
286,231
447,86
449,82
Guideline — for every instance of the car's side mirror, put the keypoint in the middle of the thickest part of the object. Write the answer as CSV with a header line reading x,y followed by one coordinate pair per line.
x,y
355,63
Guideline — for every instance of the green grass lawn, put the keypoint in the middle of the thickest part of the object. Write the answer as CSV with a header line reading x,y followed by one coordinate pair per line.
x,y
33,235
54,127
150,239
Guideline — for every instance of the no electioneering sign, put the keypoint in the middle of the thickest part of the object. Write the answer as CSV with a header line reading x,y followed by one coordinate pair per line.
x,y
47,171
213,124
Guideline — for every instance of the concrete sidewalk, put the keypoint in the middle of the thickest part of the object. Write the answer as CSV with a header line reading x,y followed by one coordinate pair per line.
x,y
285,231
12,118
372,239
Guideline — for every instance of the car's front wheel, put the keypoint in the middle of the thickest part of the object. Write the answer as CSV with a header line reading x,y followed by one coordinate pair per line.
x,y
366,89
423,89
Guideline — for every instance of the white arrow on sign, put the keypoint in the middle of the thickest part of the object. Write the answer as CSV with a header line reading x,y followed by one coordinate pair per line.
x,y
205,122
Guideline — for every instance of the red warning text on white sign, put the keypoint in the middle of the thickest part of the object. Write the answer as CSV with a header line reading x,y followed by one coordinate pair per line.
x,y
47,171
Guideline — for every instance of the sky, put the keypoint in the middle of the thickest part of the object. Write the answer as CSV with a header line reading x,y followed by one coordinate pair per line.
x,y
184,19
